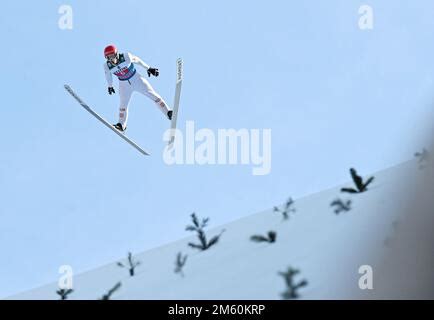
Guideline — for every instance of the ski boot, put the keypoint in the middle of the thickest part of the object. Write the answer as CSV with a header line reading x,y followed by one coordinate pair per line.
x,y
120,127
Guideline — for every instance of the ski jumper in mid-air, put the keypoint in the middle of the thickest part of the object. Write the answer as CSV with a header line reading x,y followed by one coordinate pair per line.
x,y
123,66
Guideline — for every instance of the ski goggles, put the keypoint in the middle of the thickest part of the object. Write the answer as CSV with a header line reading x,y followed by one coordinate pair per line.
x,y
111,56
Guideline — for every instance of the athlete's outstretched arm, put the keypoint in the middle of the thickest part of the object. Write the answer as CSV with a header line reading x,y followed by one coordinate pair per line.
x,y
137,60
108,75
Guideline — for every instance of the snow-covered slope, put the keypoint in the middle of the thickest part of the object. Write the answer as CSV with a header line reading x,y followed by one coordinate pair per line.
x,y
327,248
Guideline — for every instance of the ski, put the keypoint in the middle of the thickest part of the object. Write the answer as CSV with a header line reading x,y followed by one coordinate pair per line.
x,y
101,119
179,76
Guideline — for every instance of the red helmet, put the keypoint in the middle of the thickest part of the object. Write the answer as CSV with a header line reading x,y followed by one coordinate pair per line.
x,y
109,50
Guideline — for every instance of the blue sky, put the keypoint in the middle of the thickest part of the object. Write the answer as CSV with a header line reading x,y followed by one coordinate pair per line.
x,y
334,97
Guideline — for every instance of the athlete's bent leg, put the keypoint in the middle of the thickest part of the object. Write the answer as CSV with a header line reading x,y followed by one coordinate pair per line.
x,y
144,87
125,92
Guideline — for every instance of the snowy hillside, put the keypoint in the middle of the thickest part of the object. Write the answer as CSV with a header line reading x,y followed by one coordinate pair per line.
x,y
328,248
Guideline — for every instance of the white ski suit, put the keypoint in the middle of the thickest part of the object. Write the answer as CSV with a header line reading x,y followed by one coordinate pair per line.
x,y
130,81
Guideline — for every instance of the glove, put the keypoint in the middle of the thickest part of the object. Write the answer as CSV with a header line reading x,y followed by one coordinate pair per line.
x,y
154,72
111,90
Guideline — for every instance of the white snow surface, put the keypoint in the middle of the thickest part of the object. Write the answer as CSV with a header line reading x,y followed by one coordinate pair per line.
x,y
328,249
